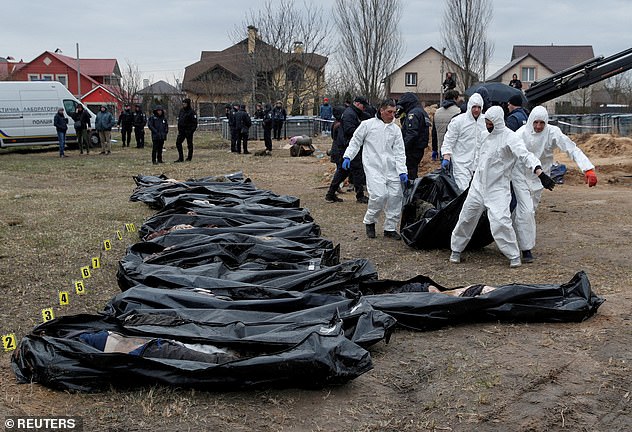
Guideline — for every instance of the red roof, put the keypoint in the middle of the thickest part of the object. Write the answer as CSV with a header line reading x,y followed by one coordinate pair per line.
x,y
90,67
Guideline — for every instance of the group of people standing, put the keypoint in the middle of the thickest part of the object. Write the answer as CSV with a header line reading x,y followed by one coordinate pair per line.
x,y
496,157
491,155
239,121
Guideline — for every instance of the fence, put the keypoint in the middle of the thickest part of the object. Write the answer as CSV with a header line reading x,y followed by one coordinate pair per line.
x,y
293,126
619,124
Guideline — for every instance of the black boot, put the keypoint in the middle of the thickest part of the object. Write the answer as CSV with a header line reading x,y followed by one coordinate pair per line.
x,y
370,230
392,234
333,198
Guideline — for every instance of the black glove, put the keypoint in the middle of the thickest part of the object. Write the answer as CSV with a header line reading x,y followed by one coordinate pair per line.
x,y
546,181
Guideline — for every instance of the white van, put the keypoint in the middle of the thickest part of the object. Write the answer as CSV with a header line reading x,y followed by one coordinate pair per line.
x,y
27,109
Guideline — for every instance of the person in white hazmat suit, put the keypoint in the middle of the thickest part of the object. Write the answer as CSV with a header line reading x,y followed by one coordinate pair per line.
x,y
461,142
541,139
490,189
384,160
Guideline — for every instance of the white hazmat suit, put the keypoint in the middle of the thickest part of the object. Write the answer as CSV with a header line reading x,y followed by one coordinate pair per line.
x,y
527,187
462,141
384,159
490,189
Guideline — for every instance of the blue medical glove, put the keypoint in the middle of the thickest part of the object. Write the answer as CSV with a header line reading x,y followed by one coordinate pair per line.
x,y
403,177
346,163
435,156
445,164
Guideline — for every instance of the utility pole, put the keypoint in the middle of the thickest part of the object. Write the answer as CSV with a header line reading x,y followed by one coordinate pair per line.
x,y
442,74
78,74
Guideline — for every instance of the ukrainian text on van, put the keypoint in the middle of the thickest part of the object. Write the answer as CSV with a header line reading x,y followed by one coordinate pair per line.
x,y
27,110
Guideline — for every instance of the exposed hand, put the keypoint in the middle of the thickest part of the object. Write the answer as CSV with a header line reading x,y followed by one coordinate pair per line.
x,y
591,178
346,164
546,181
435,156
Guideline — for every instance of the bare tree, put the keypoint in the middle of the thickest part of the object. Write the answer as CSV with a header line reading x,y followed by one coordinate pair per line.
x,y
369,45
619,87
290,63
130,84
464,34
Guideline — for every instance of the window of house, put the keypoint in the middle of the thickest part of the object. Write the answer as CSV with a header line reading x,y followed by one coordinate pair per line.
x,y
411,78
62,79
48,77
528,74
34,77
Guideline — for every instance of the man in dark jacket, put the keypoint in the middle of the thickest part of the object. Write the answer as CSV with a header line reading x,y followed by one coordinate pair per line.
x,y
349,122
187,124
126,123
83,124
267,128
415,131
242,124
61,125
278,116
517,115
232,125
140,120
159,129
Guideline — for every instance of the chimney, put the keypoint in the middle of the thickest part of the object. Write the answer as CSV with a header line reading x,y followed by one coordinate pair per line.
x,y
252,37
298,47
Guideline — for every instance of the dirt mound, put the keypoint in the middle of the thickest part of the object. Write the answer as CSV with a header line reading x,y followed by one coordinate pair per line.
x,y
603,145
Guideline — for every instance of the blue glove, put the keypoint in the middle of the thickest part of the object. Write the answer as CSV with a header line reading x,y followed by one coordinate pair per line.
x,y
445,164
435,156
346,164
403,177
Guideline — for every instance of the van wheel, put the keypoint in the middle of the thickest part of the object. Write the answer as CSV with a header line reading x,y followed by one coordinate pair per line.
x,y
94,139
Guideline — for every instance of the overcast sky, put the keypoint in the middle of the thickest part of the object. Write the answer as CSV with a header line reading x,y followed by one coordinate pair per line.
x,y
162,37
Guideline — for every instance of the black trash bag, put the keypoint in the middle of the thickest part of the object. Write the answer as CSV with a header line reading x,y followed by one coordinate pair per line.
x,y
431,210
309,277
157,192
411,303
252,323
286,229
235,249
214,217
69,353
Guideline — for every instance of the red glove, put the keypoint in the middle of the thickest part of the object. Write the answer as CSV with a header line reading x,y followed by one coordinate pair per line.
x,y
591,178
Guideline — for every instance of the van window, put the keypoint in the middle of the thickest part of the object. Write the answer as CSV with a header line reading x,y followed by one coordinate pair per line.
x,y
70,106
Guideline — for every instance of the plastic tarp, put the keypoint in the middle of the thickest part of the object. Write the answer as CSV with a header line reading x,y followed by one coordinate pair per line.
x,y
54,355
431,210
228,291
415,304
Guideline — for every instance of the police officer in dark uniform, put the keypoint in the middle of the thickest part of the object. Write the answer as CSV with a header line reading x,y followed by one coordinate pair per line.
x,y
187,124
415,131
350,120
140,120
232,125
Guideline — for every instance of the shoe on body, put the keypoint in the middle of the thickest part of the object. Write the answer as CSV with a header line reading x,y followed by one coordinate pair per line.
x,y
392,235
455,257
370,230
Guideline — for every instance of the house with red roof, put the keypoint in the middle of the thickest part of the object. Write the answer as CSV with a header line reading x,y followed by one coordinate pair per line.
x,y
94,82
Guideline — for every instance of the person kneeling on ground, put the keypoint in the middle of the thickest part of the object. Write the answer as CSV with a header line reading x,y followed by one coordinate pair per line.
x,y
384,161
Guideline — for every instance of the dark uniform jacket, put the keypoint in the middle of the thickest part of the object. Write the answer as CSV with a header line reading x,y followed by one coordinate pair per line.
x,y
416,125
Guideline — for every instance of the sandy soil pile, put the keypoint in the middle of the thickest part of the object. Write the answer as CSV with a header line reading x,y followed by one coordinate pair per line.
x,y
603,145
